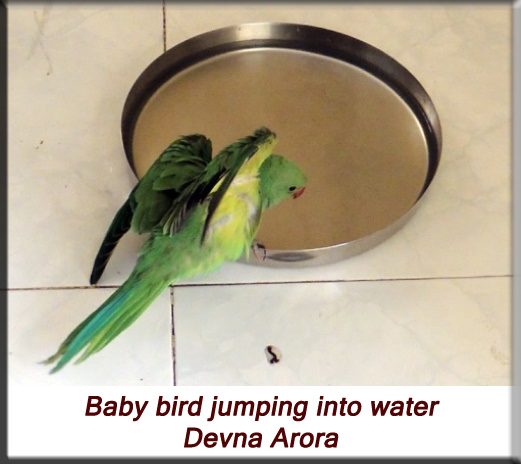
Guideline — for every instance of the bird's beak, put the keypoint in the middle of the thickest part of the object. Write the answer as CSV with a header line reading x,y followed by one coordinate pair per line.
x,y
298,192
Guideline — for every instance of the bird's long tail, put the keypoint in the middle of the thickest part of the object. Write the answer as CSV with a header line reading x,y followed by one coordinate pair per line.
x,y
118,312
119,227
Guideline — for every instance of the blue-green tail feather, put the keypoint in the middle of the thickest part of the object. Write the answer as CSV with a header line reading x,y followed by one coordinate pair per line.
x,y
117,313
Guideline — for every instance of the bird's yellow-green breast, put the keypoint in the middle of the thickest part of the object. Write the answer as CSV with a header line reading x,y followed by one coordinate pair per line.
x,y
236,219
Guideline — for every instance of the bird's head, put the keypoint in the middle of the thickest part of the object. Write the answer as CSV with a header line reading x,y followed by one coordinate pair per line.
x,y
280,178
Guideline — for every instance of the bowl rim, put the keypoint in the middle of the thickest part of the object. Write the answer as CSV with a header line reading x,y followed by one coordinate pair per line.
x,y
306,38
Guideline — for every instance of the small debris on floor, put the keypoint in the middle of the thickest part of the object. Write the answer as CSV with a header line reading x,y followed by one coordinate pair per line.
x,y
273,354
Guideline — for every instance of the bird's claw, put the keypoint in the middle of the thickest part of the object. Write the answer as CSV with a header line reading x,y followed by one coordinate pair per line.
x,y
259,250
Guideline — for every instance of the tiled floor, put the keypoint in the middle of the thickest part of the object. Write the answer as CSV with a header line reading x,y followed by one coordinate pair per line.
x,y
429,306
39,320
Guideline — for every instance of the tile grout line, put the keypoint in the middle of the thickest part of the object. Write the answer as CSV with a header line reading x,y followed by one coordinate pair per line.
x,y
164,26
332,281
281,282
174,352
64,287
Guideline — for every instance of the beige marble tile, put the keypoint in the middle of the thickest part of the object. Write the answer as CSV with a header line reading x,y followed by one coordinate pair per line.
x,y
418,332
39,320
70,69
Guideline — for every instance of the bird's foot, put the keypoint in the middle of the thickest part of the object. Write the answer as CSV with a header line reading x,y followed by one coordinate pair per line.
x,y
259,250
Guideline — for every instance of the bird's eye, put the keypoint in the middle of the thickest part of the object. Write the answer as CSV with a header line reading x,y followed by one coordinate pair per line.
x,y
292,188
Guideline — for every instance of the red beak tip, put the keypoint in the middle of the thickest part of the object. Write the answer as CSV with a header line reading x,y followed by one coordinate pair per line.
x,y
298,192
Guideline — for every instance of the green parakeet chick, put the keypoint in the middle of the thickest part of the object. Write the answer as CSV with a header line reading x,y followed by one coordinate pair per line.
x,y
210,219
178,166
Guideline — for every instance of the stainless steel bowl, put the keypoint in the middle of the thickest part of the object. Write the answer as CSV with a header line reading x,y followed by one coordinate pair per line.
x,y
360,125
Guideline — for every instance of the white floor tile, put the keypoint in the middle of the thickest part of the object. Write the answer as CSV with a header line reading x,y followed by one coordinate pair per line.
x,y
39,320
70,69
425,332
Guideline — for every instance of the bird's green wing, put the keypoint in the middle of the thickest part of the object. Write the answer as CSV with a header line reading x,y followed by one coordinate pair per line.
x,y
178,165
223,168
118,227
